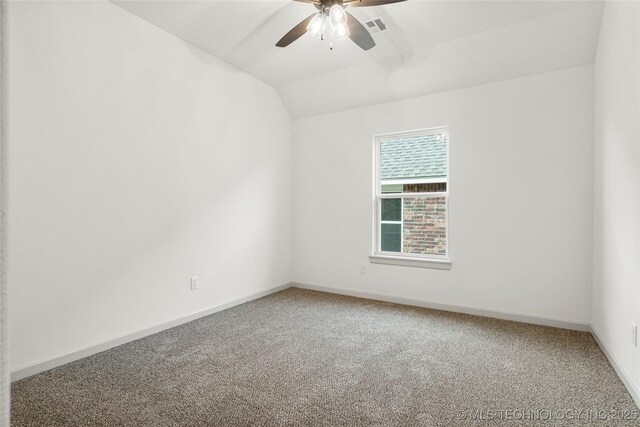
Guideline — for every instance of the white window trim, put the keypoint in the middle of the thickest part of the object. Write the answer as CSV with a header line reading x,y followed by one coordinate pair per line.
x,y
394,258
406,261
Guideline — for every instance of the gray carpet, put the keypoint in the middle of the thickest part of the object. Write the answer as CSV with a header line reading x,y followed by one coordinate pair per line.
x,y
303,358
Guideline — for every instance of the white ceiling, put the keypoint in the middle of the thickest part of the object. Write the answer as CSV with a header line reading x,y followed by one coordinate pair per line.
x,y
431,45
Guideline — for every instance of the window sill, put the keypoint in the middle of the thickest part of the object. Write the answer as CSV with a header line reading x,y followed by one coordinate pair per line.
x,y
439,264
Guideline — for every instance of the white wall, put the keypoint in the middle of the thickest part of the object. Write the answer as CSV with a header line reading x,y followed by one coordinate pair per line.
x,y
136,162
5,406
520,206
616,274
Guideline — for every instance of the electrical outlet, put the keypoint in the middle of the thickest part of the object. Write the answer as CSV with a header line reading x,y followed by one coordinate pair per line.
x,y
634,334
194,283
363,268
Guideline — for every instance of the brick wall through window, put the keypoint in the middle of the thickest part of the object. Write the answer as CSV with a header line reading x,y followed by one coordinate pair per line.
x,y
424,226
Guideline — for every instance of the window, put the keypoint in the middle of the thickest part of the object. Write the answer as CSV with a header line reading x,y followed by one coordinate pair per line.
x,y
412,198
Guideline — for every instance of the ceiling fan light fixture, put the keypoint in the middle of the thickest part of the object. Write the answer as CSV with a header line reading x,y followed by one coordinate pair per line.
x,y
340,31
337,27
337,15
316,26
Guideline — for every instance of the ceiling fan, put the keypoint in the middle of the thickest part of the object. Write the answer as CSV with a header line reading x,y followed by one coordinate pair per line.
x,y
334,22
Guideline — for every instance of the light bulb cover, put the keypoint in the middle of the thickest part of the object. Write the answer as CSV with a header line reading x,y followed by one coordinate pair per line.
x,y
337,14
316,26
340,31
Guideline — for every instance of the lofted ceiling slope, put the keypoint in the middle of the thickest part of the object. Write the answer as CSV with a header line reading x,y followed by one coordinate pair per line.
x,y
431,46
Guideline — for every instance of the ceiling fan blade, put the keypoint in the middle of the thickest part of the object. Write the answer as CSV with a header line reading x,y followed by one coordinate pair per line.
x,y
366,3
359,34
295,33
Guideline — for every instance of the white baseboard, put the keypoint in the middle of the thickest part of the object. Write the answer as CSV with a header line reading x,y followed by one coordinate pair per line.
x,y
536,320
624,376
62,359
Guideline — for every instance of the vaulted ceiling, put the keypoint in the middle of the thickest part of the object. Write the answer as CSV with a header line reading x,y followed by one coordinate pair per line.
x,y
430,47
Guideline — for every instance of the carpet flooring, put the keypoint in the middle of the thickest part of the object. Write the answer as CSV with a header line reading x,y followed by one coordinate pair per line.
x,y
305,358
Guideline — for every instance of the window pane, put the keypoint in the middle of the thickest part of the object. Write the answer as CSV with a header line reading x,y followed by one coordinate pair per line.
x,y
391,240
413,163
391,209
414,157
424,226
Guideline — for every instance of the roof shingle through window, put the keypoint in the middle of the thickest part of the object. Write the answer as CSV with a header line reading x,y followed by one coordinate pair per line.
x,y
422,156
